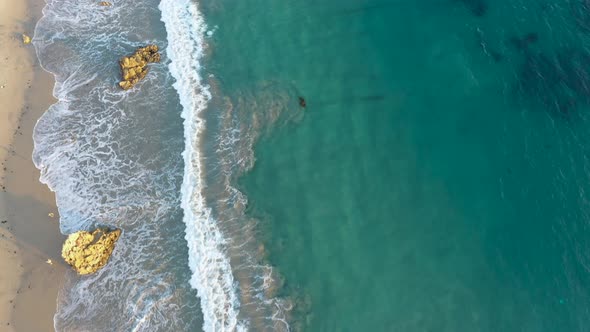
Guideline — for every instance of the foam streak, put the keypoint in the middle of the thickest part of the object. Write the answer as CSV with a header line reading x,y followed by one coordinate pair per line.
x,y
212,275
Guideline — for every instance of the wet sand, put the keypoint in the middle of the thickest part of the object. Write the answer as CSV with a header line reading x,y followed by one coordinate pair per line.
x,y
31,269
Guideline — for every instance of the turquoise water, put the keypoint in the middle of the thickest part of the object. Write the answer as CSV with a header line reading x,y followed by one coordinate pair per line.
x,y
437,179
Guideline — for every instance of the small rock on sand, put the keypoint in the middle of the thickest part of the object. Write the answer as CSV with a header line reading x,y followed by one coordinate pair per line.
x,y
26,39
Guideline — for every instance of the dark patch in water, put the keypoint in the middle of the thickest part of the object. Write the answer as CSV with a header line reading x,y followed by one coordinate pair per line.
x,y
477,7
497,56
522,43
372,98
560,82
302,102
352,100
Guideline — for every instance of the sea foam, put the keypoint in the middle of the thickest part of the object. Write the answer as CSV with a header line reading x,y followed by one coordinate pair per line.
x,y
112,157
212,273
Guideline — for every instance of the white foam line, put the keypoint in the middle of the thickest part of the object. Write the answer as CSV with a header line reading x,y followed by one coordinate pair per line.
x,y
212,275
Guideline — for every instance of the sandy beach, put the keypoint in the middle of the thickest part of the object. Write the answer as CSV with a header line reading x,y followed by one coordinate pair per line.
x,y
31,269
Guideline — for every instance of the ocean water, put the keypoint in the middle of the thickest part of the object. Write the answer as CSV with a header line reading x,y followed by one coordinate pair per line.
x,y
436,180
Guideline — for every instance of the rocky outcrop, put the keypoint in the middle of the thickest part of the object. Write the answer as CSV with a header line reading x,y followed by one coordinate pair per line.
x,y
134,67
88,252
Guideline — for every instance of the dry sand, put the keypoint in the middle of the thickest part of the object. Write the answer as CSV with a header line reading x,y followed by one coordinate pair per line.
x,y
28,235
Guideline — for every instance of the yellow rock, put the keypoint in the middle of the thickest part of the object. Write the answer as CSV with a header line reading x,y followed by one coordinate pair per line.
x,y
26,39
125,85
89,252
134,67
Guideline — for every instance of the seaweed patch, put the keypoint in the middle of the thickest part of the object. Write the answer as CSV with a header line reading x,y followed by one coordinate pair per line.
x,y
560,82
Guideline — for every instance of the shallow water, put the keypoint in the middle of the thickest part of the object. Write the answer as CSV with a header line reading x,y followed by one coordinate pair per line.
x,y
111,162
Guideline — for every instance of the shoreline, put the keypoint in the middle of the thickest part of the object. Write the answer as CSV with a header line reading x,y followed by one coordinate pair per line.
x,y
29,235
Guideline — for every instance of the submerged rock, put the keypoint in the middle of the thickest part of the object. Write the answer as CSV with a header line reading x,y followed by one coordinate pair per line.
x,y
302,102
88,252
134,67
